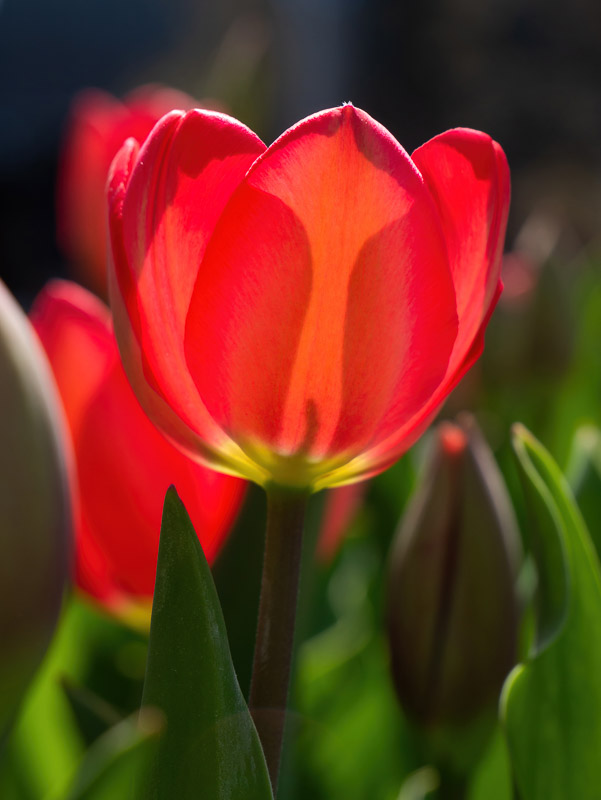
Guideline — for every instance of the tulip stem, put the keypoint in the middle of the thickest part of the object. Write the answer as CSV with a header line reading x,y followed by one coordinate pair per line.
x,y
277,612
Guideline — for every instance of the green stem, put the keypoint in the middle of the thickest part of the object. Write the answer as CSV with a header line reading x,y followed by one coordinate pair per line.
x,y
277,612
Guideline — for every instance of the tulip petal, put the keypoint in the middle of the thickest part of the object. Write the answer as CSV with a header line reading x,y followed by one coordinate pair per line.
x,y
467,173
323,315
122,506
75,329
124,464
468,177
97,128
164,203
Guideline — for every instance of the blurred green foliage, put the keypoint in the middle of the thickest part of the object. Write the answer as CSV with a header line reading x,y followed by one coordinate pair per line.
x,y
347,738
209,743
551,705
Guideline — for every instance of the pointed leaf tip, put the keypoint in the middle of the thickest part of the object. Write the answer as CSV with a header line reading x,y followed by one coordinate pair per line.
x,y
210,743
551,705
546,539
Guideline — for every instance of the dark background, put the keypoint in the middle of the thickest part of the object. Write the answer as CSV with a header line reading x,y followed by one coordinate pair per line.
x,y
528,73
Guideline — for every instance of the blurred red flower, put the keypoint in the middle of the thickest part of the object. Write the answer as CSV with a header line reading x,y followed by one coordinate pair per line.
x,y
124,465
97,127
341,507
297,314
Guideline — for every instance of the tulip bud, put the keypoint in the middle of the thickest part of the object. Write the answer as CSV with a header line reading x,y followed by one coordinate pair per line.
x,y
35,506
452,609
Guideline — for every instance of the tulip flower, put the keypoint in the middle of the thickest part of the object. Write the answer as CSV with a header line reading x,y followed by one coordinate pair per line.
x,y
98,125
452,606
36,516
124,465
297,314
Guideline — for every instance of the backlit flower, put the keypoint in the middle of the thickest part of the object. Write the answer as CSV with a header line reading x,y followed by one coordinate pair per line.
x,y
97,127
297,314
124,465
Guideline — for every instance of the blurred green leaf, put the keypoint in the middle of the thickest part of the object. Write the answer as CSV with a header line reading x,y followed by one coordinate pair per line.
x,y
45,746
353,741
575,399
420,784
491,780
93,715
210,747
547,541
116,761
584,476
551,705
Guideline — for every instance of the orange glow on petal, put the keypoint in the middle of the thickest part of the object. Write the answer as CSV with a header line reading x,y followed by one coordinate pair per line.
x,y
298,314
324,312
467,174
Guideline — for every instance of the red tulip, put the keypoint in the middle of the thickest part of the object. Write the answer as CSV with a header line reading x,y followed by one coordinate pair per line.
x,y
124,465
98,126
297,314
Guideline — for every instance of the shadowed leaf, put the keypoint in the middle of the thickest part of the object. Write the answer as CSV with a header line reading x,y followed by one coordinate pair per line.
x,y
210,747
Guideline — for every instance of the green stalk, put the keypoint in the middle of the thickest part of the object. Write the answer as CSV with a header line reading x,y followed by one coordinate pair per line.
x,y
277,613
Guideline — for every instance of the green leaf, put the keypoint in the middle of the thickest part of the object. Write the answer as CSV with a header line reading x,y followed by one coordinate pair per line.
x,y
551,705
491,779
210,748
117,760
584,476
93,715
420,784
44,734
546,539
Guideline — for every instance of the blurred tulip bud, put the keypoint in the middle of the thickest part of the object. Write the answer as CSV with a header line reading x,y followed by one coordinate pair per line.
x,y
35,506
452,609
